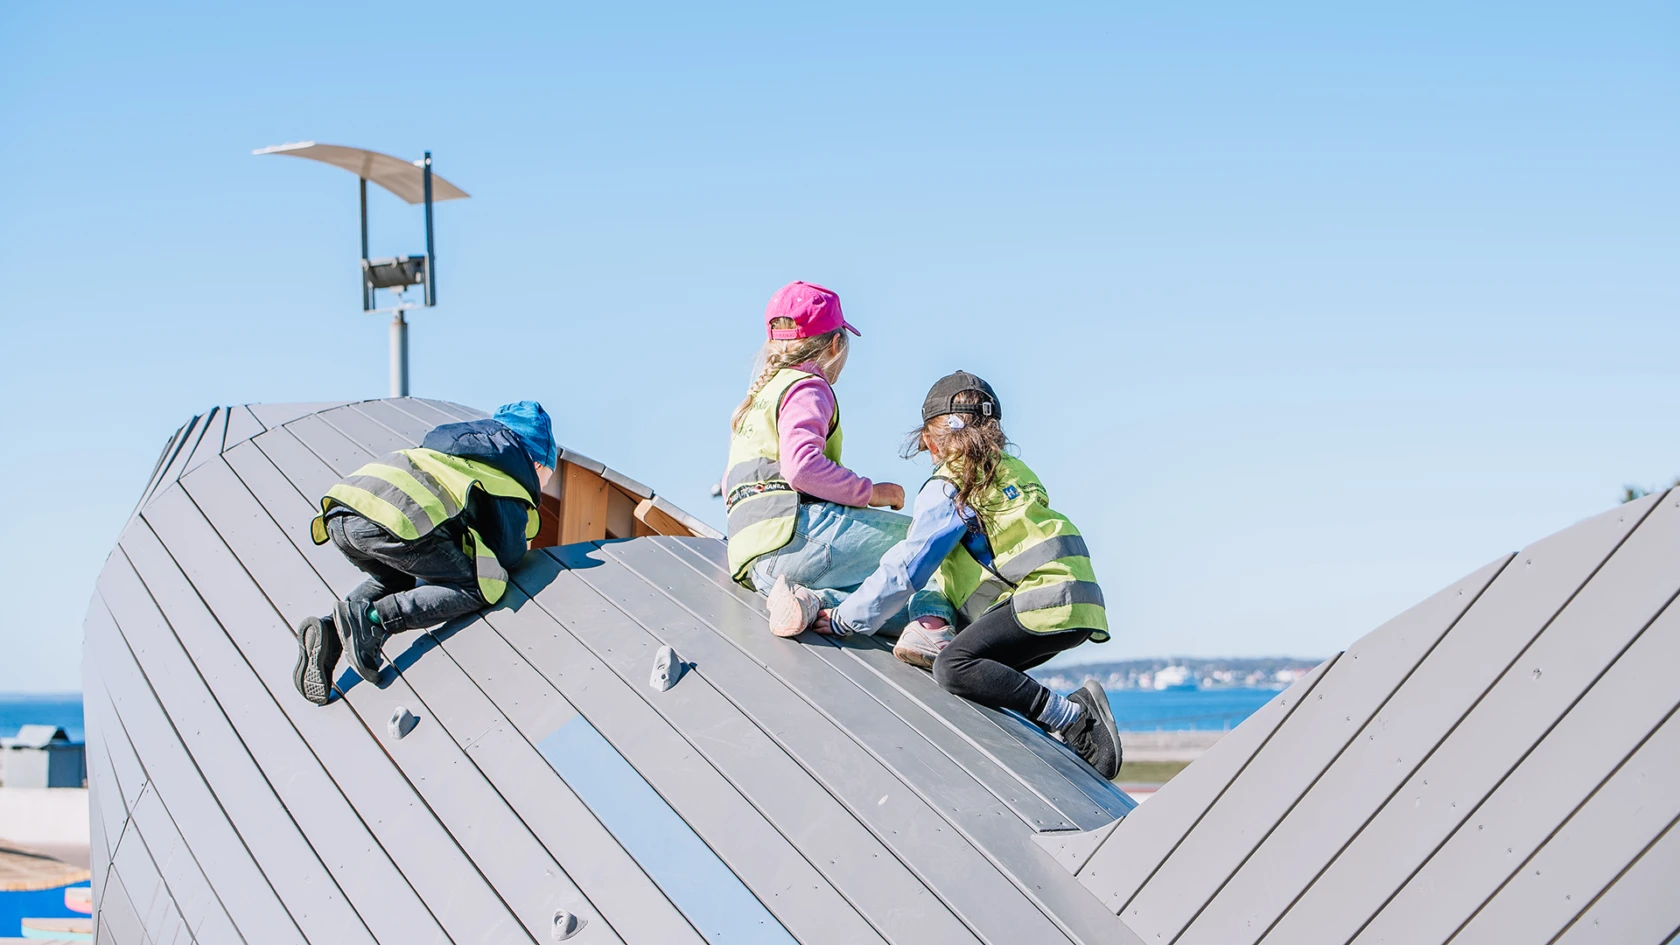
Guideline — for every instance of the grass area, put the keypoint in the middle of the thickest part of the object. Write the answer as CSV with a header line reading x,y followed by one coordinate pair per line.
x,y
1150,772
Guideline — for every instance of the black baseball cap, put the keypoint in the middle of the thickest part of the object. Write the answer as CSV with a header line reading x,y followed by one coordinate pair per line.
x,y
940,399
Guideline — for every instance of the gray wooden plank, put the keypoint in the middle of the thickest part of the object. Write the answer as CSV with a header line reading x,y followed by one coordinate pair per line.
x,y
388,414
804,704
1073,849
509,705
118,914
421,411
334,448
277,415
366,432
1033,809
101,809
294,776
273,486
1640,906
171,471
1041,764
99,856
146,889
210,444
106,801
549,811
168,453
1614,717
182,873
1148,836
1304,745
774,826
495,839
1493,736
308,473
459,897
212,837
458,411
1634,808
1452,678
299,878
578,459
242,424
462,833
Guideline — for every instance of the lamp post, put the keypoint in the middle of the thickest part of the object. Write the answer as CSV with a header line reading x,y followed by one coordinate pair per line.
x,y
414,182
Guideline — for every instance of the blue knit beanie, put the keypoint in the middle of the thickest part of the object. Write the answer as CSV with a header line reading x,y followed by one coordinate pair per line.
x,y
532,428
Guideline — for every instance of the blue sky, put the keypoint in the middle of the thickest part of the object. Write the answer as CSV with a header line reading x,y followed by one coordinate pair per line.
x,y
1301,311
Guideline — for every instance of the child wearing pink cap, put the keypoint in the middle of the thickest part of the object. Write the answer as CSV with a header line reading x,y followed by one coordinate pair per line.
x,y
801,525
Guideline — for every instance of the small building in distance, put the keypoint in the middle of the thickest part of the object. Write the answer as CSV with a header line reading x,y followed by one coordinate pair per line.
x,y
42,756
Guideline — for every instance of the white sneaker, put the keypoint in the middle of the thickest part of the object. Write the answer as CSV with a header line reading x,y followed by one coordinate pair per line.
x,y
792,608
919,646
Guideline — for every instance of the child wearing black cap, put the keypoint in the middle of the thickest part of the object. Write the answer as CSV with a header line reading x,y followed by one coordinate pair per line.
x,y
997,582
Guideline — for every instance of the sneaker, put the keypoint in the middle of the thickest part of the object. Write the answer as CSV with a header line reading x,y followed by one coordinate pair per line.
x,y
1093,735
318,652
792,608
360,637
919,646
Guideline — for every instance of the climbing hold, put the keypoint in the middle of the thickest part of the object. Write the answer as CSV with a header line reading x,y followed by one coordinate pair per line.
x,y
566,925
402,722
667,669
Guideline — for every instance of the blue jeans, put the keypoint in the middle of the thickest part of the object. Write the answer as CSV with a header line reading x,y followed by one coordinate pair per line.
x,y
834,548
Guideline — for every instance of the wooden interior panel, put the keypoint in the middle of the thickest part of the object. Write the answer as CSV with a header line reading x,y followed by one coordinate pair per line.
x,y
621,514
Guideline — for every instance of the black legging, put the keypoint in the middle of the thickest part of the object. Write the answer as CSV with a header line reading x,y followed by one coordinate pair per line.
x,y
985,660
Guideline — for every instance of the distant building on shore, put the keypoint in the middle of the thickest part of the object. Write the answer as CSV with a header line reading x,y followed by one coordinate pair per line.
x,y
42,756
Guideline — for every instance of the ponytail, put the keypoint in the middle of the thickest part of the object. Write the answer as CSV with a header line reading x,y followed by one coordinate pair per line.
x,y
971,445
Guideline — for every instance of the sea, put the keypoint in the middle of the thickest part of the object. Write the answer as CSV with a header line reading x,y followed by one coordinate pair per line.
x,y
1134,709
63,709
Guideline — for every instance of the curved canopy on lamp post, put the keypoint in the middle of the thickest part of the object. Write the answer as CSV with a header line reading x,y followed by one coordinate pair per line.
x,y
406,179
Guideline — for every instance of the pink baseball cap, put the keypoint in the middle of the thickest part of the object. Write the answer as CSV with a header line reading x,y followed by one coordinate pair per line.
x,y
814,310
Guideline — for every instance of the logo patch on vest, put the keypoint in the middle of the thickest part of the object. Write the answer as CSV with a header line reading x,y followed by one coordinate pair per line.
x,y
1010,492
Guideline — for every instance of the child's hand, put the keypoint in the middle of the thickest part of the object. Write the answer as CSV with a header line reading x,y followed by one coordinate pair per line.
x,y
888,495
824,624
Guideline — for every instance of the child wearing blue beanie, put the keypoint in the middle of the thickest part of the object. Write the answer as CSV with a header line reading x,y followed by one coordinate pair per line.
x,y
436,529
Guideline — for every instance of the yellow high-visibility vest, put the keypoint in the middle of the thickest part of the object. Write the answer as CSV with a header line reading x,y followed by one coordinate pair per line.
x,y
411,492
761,504
1040,564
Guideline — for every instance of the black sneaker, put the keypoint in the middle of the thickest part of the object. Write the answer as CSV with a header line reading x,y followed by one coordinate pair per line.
x,y
318,652
1093,735
361,638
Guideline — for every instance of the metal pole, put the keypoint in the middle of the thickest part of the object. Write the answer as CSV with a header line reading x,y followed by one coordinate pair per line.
x,y
399,355
367,293
431,259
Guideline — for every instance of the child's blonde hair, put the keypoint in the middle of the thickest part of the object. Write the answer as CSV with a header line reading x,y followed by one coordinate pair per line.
x,y
972,448
776,355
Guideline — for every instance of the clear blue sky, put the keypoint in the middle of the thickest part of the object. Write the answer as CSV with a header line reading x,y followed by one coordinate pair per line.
x,y
1301,311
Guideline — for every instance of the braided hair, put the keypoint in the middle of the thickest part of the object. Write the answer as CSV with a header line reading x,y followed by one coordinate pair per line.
x,y
776,355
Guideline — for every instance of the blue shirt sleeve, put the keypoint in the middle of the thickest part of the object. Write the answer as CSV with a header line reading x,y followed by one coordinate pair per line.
x,y
935,529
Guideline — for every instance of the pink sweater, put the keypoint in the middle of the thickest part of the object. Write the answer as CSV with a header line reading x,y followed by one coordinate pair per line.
x,y
802,428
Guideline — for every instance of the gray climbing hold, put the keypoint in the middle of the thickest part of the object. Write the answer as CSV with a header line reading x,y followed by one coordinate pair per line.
x,y
667,669
402,722
566,925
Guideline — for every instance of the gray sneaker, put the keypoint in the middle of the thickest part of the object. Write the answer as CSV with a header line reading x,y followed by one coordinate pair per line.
x,y
1093,736
360,637
318,652
792,608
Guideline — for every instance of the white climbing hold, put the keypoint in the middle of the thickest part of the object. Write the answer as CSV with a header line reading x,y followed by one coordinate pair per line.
x,y
667,669
402,722
566,925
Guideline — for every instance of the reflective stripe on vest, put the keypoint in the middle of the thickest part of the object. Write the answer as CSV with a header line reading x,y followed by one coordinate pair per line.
x,y
410,493
1042,565
762,506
